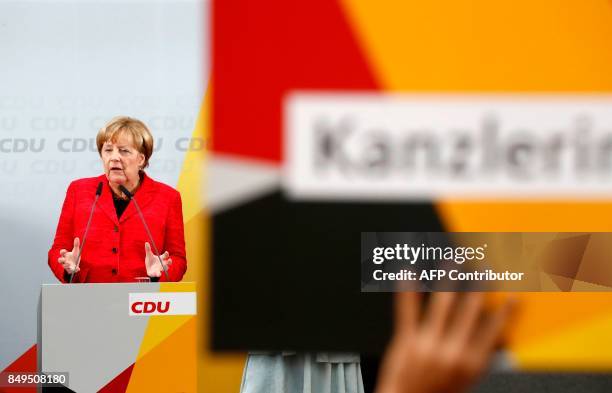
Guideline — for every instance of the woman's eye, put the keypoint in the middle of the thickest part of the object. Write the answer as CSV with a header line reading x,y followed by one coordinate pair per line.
x,y
124,151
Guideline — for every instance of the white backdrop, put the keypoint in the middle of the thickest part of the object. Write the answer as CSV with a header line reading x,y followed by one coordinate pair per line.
x,y
66,67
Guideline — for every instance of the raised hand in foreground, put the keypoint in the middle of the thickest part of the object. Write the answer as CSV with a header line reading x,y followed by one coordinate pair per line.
x,y
445,347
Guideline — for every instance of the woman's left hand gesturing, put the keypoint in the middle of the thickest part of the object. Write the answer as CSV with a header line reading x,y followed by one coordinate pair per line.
x,y
152,264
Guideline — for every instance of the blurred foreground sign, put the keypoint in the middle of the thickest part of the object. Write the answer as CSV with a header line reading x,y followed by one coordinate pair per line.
x,y
419,146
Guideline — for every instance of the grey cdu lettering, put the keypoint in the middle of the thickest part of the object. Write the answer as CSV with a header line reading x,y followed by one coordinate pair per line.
x,y
8,167
171,123
77,145
97,122
20,145
159,142
189,144
8,123
163,166
53,123
52,166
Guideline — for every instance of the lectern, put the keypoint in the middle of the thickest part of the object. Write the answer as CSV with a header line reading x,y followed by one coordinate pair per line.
x,y
127,337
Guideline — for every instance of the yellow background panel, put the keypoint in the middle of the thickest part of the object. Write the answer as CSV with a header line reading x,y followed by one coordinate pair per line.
x,y
170,366
160,327
216,373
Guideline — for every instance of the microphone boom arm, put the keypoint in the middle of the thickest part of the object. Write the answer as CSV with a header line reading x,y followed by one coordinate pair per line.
x,y
78,262
144,223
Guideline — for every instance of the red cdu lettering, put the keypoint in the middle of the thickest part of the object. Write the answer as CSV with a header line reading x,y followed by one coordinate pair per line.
x,y
163,310
149,307
137,307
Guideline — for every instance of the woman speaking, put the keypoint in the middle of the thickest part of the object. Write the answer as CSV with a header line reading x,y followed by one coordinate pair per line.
x,y
117,247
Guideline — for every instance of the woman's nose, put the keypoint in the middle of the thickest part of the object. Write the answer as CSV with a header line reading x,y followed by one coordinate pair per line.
x,y
114,156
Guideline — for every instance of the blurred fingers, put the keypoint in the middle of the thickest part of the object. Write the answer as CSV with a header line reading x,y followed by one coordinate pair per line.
x,y
407,311
438,312
468,316
492,328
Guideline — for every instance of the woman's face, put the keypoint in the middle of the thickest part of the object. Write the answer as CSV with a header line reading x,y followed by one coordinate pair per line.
x,y
122,161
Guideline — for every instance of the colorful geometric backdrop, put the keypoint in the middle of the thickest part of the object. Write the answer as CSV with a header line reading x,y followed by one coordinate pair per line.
x,y
264,51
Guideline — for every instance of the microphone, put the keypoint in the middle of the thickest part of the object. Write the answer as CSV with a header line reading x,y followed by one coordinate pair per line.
x,y
98,193
131,197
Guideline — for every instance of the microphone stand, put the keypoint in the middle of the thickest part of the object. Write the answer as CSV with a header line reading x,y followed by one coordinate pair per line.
x,y
98,192
131,197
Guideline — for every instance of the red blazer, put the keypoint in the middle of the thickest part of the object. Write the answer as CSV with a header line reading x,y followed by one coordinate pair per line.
x,y
114,249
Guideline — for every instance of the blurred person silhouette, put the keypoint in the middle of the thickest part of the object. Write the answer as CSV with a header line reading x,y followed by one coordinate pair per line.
x,y
297,372
443,346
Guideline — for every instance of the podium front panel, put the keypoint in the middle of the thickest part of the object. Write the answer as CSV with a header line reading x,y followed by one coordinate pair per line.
x,y
120,337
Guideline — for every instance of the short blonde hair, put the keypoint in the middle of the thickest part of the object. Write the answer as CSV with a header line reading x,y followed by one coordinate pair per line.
x,y
134,128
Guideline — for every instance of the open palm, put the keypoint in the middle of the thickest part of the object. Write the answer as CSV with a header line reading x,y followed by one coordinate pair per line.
x,y
68,259
154,268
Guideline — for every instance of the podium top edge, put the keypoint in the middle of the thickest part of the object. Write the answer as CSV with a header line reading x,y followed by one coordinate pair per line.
x,y
117,283
187,286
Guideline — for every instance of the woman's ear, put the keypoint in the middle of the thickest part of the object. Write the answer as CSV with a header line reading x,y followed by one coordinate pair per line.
x,y
141,161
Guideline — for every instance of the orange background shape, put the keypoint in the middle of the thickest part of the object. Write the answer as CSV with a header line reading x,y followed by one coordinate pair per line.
x,y
518,46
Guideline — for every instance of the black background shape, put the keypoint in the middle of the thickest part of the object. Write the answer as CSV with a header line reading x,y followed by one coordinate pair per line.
x,y
286,274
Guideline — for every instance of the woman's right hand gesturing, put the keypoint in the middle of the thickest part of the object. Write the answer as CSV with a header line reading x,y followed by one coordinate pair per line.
x,y
68,259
